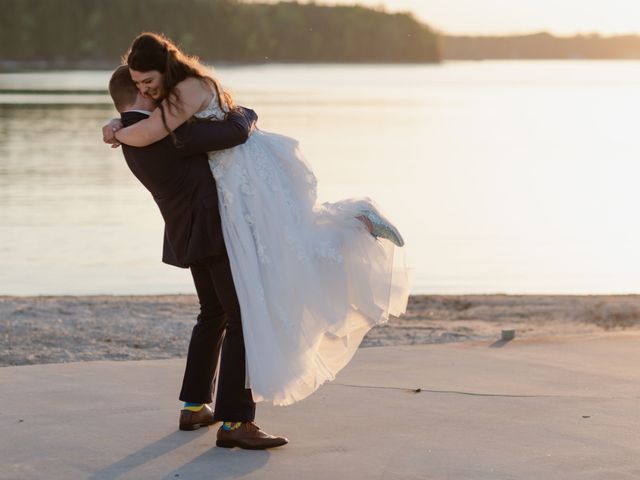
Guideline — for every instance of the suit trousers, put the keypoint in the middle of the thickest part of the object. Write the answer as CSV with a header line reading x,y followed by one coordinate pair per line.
x,y
217,335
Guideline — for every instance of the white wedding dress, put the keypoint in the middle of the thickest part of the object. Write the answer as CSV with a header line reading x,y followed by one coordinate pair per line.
x,y
311,280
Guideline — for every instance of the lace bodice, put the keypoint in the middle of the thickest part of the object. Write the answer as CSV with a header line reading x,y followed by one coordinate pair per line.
x,y
213,110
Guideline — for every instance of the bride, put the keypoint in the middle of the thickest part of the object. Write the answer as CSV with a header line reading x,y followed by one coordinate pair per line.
x,y
312,279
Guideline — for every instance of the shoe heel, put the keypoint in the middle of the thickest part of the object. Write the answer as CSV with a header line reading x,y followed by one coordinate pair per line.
x,y
222,444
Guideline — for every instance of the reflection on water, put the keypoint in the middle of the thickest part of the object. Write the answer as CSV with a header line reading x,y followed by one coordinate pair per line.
x,y
502,176
66,204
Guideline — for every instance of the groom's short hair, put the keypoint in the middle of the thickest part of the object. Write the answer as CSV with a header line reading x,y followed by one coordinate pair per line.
x,y
122,89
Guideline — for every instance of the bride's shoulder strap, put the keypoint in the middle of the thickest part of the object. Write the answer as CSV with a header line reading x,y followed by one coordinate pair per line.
x,y
219,95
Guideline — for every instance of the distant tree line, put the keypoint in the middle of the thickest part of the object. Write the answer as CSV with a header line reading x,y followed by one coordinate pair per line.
x,y
91,32
541,46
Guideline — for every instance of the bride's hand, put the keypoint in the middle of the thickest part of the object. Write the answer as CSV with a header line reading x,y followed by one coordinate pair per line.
x,y
109,131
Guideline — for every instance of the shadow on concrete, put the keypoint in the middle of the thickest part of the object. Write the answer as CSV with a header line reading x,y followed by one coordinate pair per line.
x,y
146,454
221,463
499,343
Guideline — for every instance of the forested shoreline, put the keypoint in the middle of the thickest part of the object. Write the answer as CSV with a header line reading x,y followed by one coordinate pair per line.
x,y
77,33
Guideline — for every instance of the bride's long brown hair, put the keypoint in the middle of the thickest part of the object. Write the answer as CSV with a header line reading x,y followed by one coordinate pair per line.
x,y
153,51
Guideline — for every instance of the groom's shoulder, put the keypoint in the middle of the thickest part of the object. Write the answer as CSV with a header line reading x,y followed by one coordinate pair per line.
x,y
132,116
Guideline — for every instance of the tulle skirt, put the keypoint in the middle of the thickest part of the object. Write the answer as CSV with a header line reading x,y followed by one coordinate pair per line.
x,y
311,280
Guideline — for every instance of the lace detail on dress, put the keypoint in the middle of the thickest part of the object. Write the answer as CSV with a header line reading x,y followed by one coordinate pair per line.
x,y
225,196
296,246
245,186
213,110
327,251
219,161
264,168
261,249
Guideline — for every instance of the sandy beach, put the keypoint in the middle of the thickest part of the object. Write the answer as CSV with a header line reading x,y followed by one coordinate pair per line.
x,y
36,330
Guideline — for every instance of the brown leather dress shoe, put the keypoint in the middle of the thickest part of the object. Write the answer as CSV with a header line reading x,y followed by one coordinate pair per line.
x,y
249,436
194,420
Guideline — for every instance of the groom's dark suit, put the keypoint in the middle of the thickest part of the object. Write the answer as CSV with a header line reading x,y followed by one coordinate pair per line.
x,y
180,181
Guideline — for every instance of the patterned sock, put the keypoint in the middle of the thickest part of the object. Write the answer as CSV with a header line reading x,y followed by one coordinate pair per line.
x,y
194,407
231,425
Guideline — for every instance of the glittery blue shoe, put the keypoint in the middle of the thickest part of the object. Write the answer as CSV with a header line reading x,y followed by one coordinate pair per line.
x,y
382,228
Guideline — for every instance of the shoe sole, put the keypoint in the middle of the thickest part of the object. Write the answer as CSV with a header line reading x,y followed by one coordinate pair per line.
x,y
195,426
231,445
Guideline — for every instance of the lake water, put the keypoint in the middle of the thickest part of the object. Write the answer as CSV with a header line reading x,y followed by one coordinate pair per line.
x,y
516,177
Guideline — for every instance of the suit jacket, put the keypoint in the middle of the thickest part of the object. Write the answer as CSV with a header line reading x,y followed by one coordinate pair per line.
x,y
181,183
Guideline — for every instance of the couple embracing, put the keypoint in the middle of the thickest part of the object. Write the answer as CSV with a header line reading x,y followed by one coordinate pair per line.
x,y
288,287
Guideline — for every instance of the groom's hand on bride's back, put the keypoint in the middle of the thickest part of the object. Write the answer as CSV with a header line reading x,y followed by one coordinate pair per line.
x,y
205,135
248,115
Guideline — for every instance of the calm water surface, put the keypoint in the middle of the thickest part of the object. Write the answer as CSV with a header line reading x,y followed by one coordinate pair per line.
x,y
502,176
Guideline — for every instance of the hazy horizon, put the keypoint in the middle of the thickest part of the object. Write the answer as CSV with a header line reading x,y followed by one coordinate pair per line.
x,y
471,17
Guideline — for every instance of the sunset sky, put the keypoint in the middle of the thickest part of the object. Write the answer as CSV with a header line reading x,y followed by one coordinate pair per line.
x,y
519,16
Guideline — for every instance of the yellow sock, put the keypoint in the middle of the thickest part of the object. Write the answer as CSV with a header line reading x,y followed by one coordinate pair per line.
x,y
194,408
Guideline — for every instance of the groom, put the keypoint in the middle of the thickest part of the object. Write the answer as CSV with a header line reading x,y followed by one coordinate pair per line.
x,y
179,178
